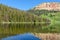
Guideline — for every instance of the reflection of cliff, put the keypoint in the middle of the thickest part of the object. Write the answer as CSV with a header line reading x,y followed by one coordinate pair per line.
x,y
49,6
48,36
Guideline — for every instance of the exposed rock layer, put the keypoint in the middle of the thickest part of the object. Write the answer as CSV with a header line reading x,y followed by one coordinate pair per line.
x,y
48,6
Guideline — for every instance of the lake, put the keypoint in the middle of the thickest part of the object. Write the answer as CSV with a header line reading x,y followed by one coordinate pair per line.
x,y
15,29
26,36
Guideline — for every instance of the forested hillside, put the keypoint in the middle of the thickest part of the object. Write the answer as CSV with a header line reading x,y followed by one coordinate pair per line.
x,y
39,12
8,14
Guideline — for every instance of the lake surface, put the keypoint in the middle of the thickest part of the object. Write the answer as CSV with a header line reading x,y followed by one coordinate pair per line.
x,y
26,36
14,29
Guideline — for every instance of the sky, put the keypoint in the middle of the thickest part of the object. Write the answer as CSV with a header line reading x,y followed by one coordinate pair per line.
x,y
24,4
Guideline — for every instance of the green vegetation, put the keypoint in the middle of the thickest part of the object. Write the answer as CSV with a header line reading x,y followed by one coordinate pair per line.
x,y
8,14
53,16
39,12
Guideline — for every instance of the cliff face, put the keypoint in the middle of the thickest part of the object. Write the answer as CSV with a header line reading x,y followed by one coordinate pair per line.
x,y
48,6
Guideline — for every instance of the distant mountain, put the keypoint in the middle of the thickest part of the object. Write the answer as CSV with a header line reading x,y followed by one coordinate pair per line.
x,y
48,6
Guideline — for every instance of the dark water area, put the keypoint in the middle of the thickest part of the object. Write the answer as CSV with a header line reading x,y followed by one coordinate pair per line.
x,y
26,36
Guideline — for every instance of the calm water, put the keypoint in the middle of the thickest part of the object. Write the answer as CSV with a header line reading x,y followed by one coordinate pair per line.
x,y
14,29
27,36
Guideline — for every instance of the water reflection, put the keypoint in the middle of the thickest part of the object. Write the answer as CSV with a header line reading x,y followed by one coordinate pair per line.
x,y
13,29
20,28
27,36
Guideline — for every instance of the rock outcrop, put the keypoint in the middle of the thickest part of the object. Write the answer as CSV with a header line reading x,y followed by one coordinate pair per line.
x,y
48,6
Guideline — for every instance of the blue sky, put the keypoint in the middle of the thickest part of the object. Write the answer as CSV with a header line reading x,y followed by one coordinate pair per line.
x,y
24,4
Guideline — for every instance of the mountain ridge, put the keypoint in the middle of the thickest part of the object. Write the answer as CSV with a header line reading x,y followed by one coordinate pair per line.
x,y
48,6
